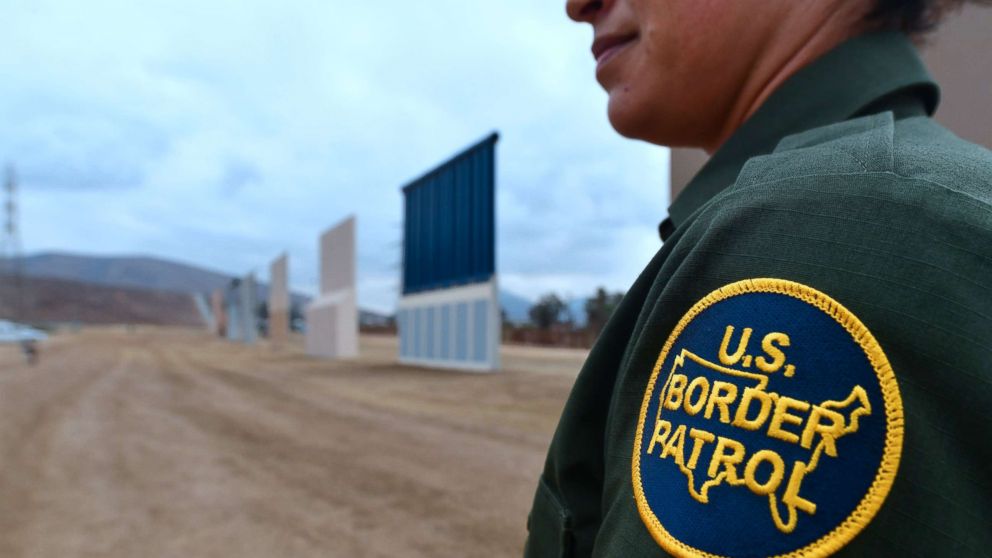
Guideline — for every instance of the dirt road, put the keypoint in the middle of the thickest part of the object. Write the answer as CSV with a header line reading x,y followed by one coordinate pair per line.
x,y
169,443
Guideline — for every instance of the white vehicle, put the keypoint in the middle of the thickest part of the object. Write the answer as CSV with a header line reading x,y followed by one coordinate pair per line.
x,y
11,332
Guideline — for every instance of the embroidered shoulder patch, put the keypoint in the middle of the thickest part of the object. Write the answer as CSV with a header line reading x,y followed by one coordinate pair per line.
x,y
771,426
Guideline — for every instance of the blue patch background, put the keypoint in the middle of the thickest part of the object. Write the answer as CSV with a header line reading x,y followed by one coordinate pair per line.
x,y
829,363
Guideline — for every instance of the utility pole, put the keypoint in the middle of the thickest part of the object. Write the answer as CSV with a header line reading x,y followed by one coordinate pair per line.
x,y
10,249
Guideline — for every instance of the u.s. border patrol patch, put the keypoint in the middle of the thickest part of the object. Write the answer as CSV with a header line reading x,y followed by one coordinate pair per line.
x,y
771,426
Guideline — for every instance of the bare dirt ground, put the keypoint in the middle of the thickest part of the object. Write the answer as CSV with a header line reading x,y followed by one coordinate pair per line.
x,y
166,442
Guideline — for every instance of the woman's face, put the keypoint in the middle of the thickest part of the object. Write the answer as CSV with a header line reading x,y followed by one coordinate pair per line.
x,y
673,68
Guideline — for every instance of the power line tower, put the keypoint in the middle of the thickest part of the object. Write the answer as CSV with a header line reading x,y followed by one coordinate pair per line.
x,y
10,250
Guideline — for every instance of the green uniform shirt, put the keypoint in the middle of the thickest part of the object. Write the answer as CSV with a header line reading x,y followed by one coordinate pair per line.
x,y
805,367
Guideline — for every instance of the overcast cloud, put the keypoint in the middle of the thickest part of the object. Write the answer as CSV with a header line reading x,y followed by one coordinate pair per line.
x,y
222,133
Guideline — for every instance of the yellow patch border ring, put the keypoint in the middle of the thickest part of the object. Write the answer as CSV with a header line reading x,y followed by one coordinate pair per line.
x,y
879,489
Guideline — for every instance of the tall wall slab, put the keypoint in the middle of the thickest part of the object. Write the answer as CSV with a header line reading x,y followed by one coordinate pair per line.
x,y
248,309
956,56
332,318
205,310
448,315
217,307
232,305
241,304
279,300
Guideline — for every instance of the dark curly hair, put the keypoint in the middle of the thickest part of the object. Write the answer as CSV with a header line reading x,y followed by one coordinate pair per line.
x,y
914,17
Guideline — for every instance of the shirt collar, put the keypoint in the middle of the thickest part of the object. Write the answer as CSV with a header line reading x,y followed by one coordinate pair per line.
x,y
860,74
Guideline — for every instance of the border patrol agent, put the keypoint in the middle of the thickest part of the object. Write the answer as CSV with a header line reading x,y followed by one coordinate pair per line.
x,y
805,367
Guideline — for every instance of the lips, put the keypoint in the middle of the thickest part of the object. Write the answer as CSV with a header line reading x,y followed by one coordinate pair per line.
x,y
604,47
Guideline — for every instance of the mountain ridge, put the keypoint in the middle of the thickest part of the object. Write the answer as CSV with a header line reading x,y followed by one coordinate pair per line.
x,y
154,273
127,270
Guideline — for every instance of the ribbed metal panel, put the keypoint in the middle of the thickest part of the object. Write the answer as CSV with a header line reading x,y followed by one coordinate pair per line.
x,y
449,235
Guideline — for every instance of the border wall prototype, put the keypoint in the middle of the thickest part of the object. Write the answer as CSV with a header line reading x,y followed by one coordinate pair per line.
x,y
279,303
220,316
449,315
949,54
332,318
248,297
241,300
205,310
232,303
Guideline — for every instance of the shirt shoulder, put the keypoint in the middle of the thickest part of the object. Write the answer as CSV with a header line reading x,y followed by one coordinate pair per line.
x,y
908,185
895,214
877,149
893,221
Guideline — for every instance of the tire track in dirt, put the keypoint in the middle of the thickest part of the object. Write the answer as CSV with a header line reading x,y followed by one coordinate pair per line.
x,y
35,412
169,443
358,470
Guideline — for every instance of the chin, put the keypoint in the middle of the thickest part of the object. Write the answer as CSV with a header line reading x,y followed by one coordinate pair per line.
x,y
655,123
630,120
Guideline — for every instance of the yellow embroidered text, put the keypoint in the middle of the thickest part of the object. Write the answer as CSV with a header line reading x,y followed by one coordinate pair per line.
x,y
716,459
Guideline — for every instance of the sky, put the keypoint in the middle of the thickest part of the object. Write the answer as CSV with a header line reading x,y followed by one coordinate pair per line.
x,y
223,133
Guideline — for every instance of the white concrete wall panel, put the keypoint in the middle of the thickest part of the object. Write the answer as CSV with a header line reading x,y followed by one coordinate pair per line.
x,y
248,309
332,318
279,302
458,328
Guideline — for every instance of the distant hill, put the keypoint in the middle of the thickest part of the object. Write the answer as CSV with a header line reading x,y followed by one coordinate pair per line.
x,y
140,272
45,300
515,306
133,272
368,318
158,274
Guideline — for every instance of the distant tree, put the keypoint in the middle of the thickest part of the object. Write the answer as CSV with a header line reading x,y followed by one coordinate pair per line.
x,y
600,307
548,311
296,319
567,317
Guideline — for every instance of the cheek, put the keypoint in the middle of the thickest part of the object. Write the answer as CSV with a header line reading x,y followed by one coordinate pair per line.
x,y
693,55
690,36
635,104
676,73
655,74
663,56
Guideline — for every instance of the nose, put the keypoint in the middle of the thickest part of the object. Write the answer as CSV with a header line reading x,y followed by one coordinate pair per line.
x,y
585,11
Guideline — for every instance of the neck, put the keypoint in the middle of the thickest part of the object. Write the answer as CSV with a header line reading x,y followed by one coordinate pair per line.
x,y
796,44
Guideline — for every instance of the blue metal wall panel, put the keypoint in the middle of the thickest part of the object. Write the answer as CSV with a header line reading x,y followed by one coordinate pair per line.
x,y
461,331
450,222
408,332
446,332
480,317
233,323
418,328
429,328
